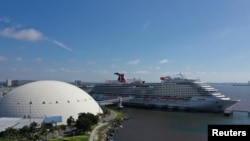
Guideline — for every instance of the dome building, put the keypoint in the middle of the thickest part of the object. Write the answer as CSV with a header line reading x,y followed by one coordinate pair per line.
x,y
47,98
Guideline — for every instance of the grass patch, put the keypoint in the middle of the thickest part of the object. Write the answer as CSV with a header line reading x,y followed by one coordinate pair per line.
x,y
75,138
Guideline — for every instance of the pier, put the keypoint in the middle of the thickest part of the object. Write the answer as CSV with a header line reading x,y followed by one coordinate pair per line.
x,y
229,112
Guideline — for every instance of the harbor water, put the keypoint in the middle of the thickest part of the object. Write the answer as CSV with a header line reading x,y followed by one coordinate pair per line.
x,y
159,125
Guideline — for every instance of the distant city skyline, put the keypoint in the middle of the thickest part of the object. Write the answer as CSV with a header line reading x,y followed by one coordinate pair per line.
x,y
91,40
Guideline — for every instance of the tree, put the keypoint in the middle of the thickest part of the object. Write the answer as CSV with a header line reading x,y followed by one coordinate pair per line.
x,y
11,133
33,127
83,124
44,131
85,121
70,122
105,110
25,131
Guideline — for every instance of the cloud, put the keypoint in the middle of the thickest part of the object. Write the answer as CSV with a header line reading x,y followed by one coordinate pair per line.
x,y
19,59
155,67
164,61
71,71
29,34
38,59
26,34
116,59
60,44
100,71
4,20
50,70
134,62
91,62
2,58
142,72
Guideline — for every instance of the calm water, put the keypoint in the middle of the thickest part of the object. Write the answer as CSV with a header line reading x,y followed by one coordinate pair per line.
x,y
156,125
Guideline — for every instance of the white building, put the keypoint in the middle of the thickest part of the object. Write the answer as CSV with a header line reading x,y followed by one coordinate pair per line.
x,y
8,82
43,99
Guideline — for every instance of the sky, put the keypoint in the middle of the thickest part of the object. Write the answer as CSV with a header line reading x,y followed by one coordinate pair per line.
x,y
90,40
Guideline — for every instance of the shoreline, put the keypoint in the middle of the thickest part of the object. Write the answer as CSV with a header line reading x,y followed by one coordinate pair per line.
x,y
107,126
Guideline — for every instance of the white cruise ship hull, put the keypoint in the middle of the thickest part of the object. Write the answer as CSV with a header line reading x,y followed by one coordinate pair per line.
x,y
189,105
177,93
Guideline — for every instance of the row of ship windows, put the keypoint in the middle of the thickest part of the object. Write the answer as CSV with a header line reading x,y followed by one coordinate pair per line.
x,y
57,102
181,93
176,89
161,88
179,86
180,89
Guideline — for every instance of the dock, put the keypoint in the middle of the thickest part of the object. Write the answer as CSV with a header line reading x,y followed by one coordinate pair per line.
x,y
229,112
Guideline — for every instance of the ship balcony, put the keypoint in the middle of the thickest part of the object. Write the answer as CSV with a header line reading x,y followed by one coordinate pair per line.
x,y
226,98
216,94
220,96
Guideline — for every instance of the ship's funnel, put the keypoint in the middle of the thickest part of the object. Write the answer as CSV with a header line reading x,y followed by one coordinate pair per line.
x,y
121,77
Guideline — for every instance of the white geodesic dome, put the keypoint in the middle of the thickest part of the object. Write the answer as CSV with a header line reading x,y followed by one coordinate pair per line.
x,y
46,98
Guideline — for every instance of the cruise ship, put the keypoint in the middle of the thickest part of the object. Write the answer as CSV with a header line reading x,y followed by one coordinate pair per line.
x,y
170,93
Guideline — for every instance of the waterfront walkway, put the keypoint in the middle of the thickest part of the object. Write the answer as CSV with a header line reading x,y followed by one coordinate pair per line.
x,y
102,122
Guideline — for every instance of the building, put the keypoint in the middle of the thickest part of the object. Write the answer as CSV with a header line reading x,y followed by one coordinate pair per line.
x,y
15,83
8,82
78,82
47,98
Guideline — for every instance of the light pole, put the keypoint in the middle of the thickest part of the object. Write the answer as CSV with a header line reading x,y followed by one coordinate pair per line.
x,y
30,109
47,134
